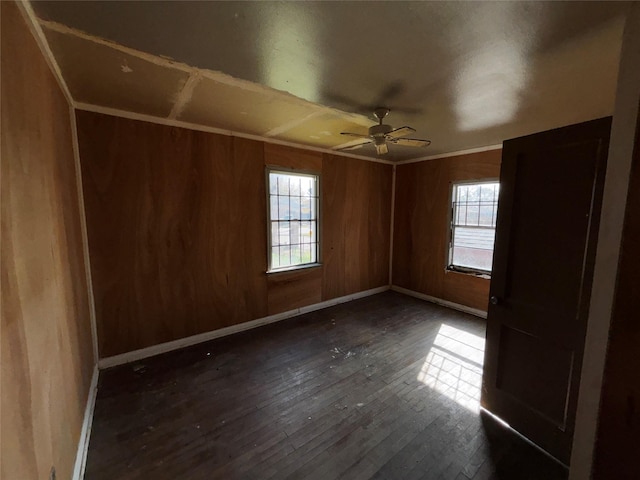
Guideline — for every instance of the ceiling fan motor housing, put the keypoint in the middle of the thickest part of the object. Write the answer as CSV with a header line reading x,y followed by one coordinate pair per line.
x,y
379,130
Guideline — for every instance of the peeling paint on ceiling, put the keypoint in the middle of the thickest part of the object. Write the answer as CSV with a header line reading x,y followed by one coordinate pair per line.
x,y
463,74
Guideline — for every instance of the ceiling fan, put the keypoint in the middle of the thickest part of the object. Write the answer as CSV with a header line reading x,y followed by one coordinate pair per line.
x,y
381,134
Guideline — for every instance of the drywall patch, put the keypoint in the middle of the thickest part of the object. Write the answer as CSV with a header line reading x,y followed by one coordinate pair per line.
x,y
220,105
324,130
99,74
162,61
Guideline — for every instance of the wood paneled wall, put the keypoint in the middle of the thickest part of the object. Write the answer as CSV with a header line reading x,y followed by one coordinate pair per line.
x,y
177,230
176,226
47,358
421,231
356,202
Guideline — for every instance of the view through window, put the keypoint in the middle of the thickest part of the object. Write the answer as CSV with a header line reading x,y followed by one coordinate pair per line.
x,y
293,219
473,226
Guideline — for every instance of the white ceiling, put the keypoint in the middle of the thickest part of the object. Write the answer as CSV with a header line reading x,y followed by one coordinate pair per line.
x,y
463,74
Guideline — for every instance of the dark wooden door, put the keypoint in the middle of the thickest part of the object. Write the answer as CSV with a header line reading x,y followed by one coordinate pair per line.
x,y
548,214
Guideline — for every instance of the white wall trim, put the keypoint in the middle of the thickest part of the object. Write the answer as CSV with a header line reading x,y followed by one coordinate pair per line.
x,y
439,301
83,232
142,353
85,433
41,40
202,128
451,154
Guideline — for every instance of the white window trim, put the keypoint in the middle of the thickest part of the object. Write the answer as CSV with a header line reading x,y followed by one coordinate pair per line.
x,y
290,171
449,267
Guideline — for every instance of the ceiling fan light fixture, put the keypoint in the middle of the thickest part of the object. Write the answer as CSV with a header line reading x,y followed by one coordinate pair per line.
x,y
381,146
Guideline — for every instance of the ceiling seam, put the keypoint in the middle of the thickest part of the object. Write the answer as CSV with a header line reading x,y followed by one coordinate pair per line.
x,y
185,94
294,123
203,128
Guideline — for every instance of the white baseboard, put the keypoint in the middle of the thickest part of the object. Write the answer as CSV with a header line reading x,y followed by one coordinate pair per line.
x,y
136,355
85,433
439,301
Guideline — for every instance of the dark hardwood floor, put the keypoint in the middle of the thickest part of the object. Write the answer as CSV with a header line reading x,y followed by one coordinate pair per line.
x,y
385,387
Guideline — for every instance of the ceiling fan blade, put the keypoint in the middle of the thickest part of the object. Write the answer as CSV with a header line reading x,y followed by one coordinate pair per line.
x,y
354,135
410,142
353,147
400,132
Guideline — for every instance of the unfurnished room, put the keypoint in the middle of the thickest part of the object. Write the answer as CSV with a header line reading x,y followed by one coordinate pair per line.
x,y
320,240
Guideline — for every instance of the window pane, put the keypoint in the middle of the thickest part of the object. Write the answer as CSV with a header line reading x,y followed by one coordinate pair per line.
x,y
292,211
486,215
487,193
306,187
294,208
294,233
314,208
313,187
283,209
305,208
473,225
305,253
461,213
294,186
275,257
283,184
285,256
273,204
473,193
273,185
472,215
283,233
473,248
295,255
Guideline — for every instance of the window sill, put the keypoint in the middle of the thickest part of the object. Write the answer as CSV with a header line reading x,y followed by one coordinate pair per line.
x,y
294,268
479,274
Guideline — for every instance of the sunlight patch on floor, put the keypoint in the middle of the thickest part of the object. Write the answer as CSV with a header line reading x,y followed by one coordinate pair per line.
x,y
453,366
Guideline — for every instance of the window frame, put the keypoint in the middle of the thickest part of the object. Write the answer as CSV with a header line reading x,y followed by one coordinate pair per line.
x,y
449,266
298,172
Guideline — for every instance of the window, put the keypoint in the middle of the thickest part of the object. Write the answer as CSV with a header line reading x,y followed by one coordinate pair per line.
x,y
293,219
473,226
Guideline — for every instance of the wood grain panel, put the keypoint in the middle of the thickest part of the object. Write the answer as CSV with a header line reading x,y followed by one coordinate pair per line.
x,y
421,230
356,213
298,288
176,230
47,357
293,158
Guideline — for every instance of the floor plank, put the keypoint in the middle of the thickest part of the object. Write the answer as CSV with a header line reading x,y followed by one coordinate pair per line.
x,y
382,387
